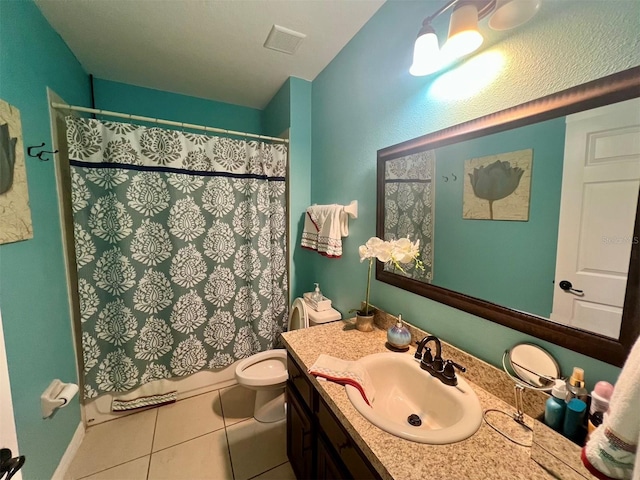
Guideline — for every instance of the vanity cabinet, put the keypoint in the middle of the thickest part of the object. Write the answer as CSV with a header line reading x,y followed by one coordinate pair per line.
x,y
318,446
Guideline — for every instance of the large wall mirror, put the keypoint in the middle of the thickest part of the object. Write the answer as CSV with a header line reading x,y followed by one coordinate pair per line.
x,y
528,217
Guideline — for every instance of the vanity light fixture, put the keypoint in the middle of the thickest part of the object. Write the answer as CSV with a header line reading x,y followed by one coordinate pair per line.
x,y
464,37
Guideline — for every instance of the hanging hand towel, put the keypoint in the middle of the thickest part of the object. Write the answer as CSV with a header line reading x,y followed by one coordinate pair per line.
x,y
344,373
324,227
611,450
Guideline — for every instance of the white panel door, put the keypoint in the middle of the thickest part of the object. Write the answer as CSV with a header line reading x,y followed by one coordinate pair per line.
x,y
8,437
600,183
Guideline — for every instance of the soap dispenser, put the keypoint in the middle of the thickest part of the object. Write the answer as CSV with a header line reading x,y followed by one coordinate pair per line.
x,y
399,336
316,296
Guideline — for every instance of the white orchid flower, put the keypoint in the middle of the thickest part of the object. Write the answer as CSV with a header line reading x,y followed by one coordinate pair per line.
x,y
383,250
365,253
394,251
404,251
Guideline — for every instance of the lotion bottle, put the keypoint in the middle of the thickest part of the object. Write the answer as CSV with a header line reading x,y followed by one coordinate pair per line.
x,y
575,386
555,406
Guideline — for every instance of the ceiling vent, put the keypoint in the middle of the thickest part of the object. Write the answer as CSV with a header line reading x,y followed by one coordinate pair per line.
x,y
284,40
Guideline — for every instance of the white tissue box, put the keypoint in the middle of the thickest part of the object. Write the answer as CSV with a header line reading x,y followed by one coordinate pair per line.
x,y
322,305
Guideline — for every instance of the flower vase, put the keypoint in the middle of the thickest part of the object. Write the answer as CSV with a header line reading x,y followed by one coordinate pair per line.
x,y
364,323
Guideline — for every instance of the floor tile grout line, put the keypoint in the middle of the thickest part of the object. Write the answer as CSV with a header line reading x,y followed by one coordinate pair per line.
x,y
272,468
153,441
156,409
112,466
226,436
127,461
187,440
197,436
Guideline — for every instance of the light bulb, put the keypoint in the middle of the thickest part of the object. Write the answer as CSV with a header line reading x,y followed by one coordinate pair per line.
x,y
426,53
464,36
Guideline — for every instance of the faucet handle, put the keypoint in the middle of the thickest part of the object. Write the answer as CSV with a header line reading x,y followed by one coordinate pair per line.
x,y
450,366
427,355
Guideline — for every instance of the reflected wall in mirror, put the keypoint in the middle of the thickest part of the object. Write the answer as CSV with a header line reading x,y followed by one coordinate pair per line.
x,y
567,269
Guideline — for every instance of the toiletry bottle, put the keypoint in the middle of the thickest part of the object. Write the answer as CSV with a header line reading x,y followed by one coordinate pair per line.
x,y
399,336
575,386
555,406
600,397
317,294
572,428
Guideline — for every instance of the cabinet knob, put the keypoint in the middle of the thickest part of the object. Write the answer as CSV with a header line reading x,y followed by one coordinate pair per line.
x,y
343,446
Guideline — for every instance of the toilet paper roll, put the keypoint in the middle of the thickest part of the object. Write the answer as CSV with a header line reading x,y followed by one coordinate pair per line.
x,y
57,395
67,393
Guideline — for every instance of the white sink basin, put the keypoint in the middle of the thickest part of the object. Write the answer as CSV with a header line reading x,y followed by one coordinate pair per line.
x,y
448,414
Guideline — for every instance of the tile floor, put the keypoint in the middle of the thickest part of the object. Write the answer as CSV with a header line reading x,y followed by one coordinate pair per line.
x,y
210,436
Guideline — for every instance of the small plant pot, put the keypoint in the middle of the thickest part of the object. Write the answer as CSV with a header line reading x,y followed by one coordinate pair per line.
x,y
364,323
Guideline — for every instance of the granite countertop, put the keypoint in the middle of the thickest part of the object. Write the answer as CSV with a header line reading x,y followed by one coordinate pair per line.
x,y
485,455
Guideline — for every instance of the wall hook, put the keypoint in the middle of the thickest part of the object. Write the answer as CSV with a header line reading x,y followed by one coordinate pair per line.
x,y
446,179
40,153
454,177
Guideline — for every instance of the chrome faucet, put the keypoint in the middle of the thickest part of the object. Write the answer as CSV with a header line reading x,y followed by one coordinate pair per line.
x,y
443,370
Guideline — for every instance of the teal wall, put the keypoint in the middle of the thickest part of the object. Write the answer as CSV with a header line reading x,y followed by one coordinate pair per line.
x,y
276,116
511,263
300,184
290,108
366,100
121,97
33,292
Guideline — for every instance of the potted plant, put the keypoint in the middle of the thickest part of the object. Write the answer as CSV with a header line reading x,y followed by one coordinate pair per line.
x,y
391,251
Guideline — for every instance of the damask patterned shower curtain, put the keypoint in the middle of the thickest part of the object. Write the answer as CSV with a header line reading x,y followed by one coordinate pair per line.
x,y
180,250
409,208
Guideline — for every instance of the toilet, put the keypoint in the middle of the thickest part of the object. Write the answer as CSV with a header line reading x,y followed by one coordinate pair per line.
x,y
266,372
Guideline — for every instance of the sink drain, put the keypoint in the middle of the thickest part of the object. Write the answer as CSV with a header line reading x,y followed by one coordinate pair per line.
x,y
414,420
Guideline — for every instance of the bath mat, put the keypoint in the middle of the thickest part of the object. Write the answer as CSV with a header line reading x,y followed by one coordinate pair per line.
x,y
140,402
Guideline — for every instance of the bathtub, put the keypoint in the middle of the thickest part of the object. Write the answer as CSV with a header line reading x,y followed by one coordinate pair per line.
x,y
98,410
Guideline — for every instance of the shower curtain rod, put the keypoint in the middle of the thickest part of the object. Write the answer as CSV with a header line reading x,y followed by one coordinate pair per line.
x,y
139,118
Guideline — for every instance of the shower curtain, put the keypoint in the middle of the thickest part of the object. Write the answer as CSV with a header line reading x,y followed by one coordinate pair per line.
x,y
180,244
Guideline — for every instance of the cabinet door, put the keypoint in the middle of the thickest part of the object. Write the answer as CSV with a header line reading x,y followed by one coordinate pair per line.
x,y
328,469
299,437
342,444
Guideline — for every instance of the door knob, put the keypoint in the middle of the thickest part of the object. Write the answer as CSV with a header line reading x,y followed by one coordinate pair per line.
x,y
568,287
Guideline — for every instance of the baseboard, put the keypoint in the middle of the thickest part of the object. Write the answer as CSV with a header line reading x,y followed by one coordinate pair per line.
x,y
69,454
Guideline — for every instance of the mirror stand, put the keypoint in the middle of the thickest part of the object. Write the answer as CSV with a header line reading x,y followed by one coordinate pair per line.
x,y
521,428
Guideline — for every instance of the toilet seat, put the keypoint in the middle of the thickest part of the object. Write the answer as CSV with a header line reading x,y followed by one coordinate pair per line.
x,y
268,368
299,317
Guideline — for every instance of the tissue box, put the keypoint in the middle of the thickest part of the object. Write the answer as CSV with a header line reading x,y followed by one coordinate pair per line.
x,y
322,305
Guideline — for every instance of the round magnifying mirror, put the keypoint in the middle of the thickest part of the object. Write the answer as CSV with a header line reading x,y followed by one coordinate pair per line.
x,y
533,365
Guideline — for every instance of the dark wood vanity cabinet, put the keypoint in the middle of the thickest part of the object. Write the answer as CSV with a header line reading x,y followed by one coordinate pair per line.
x,y
318,447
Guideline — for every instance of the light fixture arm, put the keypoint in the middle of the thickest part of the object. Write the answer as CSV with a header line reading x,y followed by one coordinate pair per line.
x,y
440,11
484,8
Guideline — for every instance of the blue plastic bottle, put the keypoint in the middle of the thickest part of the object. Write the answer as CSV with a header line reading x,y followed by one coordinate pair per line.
x,y
574,419
555,406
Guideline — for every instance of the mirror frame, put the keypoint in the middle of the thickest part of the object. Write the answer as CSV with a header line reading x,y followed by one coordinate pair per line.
x,y
610,89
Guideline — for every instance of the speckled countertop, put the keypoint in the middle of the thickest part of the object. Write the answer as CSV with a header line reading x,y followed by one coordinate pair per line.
x,y
485,455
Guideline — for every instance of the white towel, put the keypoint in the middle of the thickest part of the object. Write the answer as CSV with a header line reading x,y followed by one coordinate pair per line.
x,y
612,448
344,373
324,227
